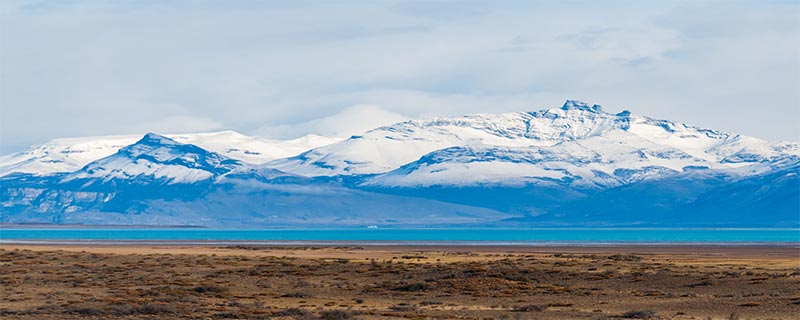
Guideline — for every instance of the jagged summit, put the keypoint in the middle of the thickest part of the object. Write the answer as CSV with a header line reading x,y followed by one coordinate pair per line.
x,y
580,105
579,136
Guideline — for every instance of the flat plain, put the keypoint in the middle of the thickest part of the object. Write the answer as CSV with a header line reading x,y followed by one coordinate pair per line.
x,y
398,282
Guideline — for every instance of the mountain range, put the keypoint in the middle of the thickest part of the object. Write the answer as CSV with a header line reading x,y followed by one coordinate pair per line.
x,y
570,166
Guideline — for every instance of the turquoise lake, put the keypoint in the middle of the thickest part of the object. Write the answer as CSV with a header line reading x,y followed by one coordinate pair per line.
x,y
478,236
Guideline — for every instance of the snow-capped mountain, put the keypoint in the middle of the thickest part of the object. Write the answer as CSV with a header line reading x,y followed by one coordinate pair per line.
x,y
70,154
159,181
250,149
577,142
63,155
570,166
158,158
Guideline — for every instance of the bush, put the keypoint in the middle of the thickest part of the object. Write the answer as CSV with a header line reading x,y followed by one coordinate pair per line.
x,y
703,283
403,307
122,309
293,312
529,308
296,295
639,314
152,308
226,315
86,311
335,315
413,287
625,257
210,289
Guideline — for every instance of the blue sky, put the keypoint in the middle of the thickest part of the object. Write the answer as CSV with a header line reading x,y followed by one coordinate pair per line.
x,y
285,68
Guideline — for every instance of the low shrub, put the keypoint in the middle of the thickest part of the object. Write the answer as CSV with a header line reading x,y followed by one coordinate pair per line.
x,y
292,312
421,286
335,315
296,295
529,308
639,314
210,289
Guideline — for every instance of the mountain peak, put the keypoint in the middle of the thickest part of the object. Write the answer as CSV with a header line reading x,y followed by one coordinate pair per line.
x,y
580,105
161,160
156,139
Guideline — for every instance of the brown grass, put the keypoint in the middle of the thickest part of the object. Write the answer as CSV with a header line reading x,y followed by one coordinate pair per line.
x,y
369,283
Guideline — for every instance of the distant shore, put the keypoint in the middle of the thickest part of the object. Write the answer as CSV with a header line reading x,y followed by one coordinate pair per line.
x,y
90,226
386,227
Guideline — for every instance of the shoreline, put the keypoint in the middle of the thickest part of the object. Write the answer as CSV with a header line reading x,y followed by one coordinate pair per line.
x,y
6,226
339,249
396,243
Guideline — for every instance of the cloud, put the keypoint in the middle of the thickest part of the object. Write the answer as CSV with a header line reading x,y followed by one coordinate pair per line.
x,y
85,67
179,124
352,120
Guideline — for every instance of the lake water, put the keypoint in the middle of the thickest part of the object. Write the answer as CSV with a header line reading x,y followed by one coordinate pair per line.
x,y
430,236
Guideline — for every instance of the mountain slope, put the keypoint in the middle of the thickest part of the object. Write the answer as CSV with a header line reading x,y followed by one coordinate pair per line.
x,y
600,161
771,198
242,203
67,155
158,181
578,138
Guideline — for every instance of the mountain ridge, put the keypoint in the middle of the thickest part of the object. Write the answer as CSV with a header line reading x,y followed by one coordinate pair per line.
x,y
570,166
70,154
373,152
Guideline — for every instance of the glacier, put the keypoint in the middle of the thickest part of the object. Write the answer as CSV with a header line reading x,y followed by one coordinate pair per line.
x,y
575,165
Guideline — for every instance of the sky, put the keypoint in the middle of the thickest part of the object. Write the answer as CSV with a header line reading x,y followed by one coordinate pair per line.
x,y
283,69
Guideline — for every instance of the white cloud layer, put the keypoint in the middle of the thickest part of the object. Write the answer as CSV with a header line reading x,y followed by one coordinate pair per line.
x,y
352,120
73,68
